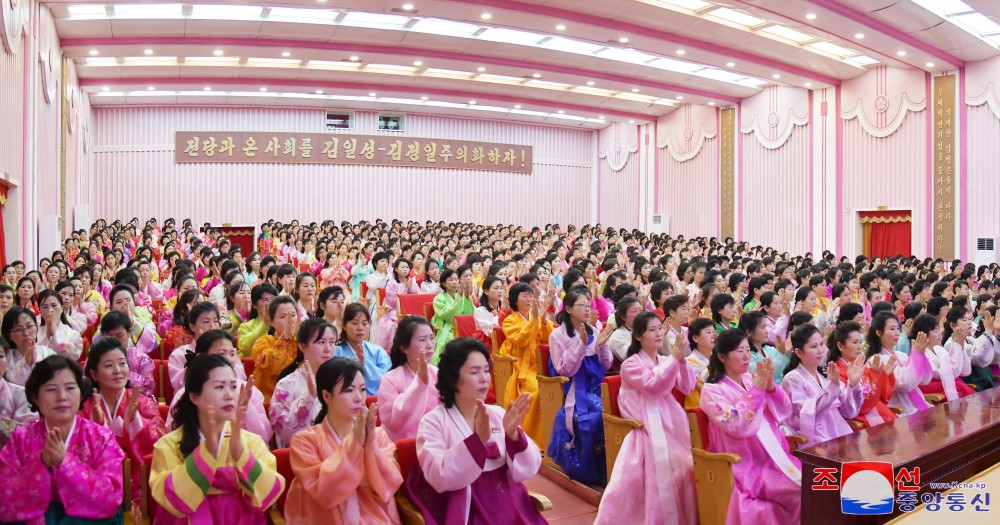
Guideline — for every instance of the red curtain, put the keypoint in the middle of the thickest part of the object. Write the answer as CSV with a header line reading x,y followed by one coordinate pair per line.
x,y
241,236
887,233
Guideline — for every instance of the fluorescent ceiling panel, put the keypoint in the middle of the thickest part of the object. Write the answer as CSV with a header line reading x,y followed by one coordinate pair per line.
x,y
788,34
445,27
286,62
833,49
390,69
302,16
693,5
148,11
979,23
87,11
862,60
226,12
333,66
736,17
375,20
511,36
149,61
446,73
102,61
571,46
626,55
946,7
677,66
498,79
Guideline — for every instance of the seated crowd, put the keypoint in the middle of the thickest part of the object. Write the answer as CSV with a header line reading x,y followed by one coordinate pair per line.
x,y
172,348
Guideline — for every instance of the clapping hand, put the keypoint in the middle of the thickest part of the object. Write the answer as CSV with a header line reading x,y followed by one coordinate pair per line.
x,y
855,371
763,377
516,411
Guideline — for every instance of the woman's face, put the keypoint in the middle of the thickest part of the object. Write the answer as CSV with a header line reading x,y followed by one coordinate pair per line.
x,y
255,262
322,349
813,353
524,301
845,296
737,362
760,334
51,307
357,328
421,344
451,283
890,334
382,265
186,285
283,315
219,392
854,285
851,348
242,297
706,338
466,277
965,323
58,399
809,304
25,290
225,348
774,309
112,371
719,282
205,322
402,271
346,403
630,314
307,289
728,312
495,291
52,274
652,337
473,379
905,294
123,302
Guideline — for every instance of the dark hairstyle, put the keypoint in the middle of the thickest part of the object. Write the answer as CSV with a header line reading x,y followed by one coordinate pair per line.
x,y
276,303
231,294
621,309
185,412
954,315
639,326
925,323
115,319
484,299
256,294
209,338
935,305
749,322
674,303
404,334
298,282
800,336
840,335
798,319
454,356
337,370
119,288
45,370
52,293
197,311
873,341
725,343
352,311
11,318
718,303
325,295
105,346
695,328
563,318
310,331
849,311
515,293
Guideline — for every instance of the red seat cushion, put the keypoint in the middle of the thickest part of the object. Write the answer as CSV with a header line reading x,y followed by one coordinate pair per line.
x,y
248,365
369,401
702,425
406,449
413,304
543,363
466,325
153,505
614,385
164,411
283,462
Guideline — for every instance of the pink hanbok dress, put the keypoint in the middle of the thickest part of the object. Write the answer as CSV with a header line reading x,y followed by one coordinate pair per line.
x,y
821,409
403,400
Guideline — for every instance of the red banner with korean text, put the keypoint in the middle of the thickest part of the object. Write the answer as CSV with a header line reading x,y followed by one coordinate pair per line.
x,y
252,147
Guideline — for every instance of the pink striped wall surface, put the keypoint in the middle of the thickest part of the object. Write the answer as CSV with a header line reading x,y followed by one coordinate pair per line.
x,y
890,171
47,131
619,194
776,201
135,174
12,109
689,190
984,184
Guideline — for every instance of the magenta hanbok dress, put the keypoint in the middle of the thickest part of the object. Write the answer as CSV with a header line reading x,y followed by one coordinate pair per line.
x,y
403,400
820,410
653,479
87,484
744,421
461,480
388,323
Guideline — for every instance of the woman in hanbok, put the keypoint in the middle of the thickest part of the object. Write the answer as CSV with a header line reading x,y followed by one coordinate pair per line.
x,y
580,353
359,274
220,342
354,344
376,280
273,352
744,413
54,330
911,370
979,351
455,299
399,284
491,304
821,404
25,297
170,317
345,472
408,390
203,317
474,458
524,330
210,470
294,404
257,323
20,330
118,405
304,294
14,409
64,468
334,273
237,306
75,318
144,336
653,478
432,277
701,337
754,325
621,339
878,381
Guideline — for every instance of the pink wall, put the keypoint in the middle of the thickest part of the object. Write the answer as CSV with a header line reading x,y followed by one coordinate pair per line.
x,y
688,151
47,133
885,151
983,155
618,176
136,176
776,202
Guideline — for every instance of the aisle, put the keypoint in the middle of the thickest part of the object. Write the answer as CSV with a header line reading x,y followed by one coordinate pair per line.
x,y
567,508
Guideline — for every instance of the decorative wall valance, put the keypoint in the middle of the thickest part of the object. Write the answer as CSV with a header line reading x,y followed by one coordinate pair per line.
x,y
883,220
683,133
773,114
617,143
881,99
980,87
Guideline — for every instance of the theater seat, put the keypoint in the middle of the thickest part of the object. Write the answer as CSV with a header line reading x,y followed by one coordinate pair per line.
x,y
550,395
380,308
713,472
369,401
615,426
413,304
283,464
503,369
465,326
249,365
149,505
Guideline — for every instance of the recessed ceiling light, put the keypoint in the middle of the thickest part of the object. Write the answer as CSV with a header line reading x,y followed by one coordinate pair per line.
x,y
481,69
811,16
150,88
679,97
263,89
319,91
321,1
809,84
631,122
901,53
536,75
423,98
859,36
561,112
148,51
105,88
929,64
600,117
286,53
417,63
560,27
354,58
517,106
372,94
208,88
730,64
775,76
408,7
623,40
635,90
590,82
472,102
93,52
680,51
218,52
486,16
711,103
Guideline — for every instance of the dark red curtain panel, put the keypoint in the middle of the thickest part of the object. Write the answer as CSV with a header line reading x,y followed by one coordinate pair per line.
x,y
889,233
